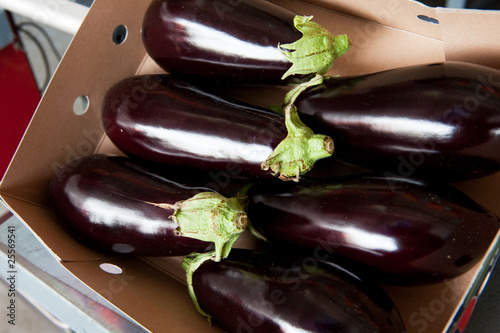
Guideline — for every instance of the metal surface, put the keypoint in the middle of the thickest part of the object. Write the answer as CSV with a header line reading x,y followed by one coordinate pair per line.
x,y
37,276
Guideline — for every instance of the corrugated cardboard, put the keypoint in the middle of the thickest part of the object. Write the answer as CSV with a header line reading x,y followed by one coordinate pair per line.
x,y
385,34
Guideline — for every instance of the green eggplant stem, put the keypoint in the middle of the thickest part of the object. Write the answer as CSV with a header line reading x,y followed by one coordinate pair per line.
x,y
299,151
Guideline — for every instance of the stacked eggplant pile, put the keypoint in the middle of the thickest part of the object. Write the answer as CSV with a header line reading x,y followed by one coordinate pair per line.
x,y
201,168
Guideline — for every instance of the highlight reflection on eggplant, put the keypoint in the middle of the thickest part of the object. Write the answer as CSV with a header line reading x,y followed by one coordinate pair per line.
x,y
112,204
438,121
394,229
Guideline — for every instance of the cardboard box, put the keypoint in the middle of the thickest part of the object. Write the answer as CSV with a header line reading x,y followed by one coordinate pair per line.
x,y
385,34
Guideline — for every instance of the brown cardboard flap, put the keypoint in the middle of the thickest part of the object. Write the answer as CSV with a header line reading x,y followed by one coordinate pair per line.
x,y
403,15
151,297
428,308
471,35
485,191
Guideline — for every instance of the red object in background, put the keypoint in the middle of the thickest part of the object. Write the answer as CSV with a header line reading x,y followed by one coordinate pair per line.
x,y
464,319
19,96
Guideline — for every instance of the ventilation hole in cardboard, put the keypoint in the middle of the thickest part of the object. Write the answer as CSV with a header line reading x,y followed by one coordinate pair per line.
x,y
81,105
428,19
110,268
119,34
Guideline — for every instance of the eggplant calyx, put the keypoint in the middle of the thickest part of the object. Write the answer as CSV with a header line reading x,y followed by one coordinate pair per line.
x,y
315,51
297,153
211,217
190,264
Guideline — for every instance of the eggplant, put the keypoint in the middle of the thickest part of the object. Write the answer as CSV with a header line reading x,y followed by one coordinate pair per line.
x,y
394,229
166,120
437,121
244,41
269,292
116,205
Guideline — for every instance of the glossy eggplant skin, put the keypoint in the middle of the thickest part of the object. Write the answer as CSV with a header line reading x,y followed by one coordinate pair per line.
x,y
107,202
220,40
275,293
438,121
168,121
395,230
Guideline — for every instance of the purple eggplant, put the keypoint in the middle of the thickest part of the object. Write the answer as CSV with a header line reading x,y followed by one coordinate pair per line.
x,y
265,292
113,204
394,229
439,121
244,41
165,120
